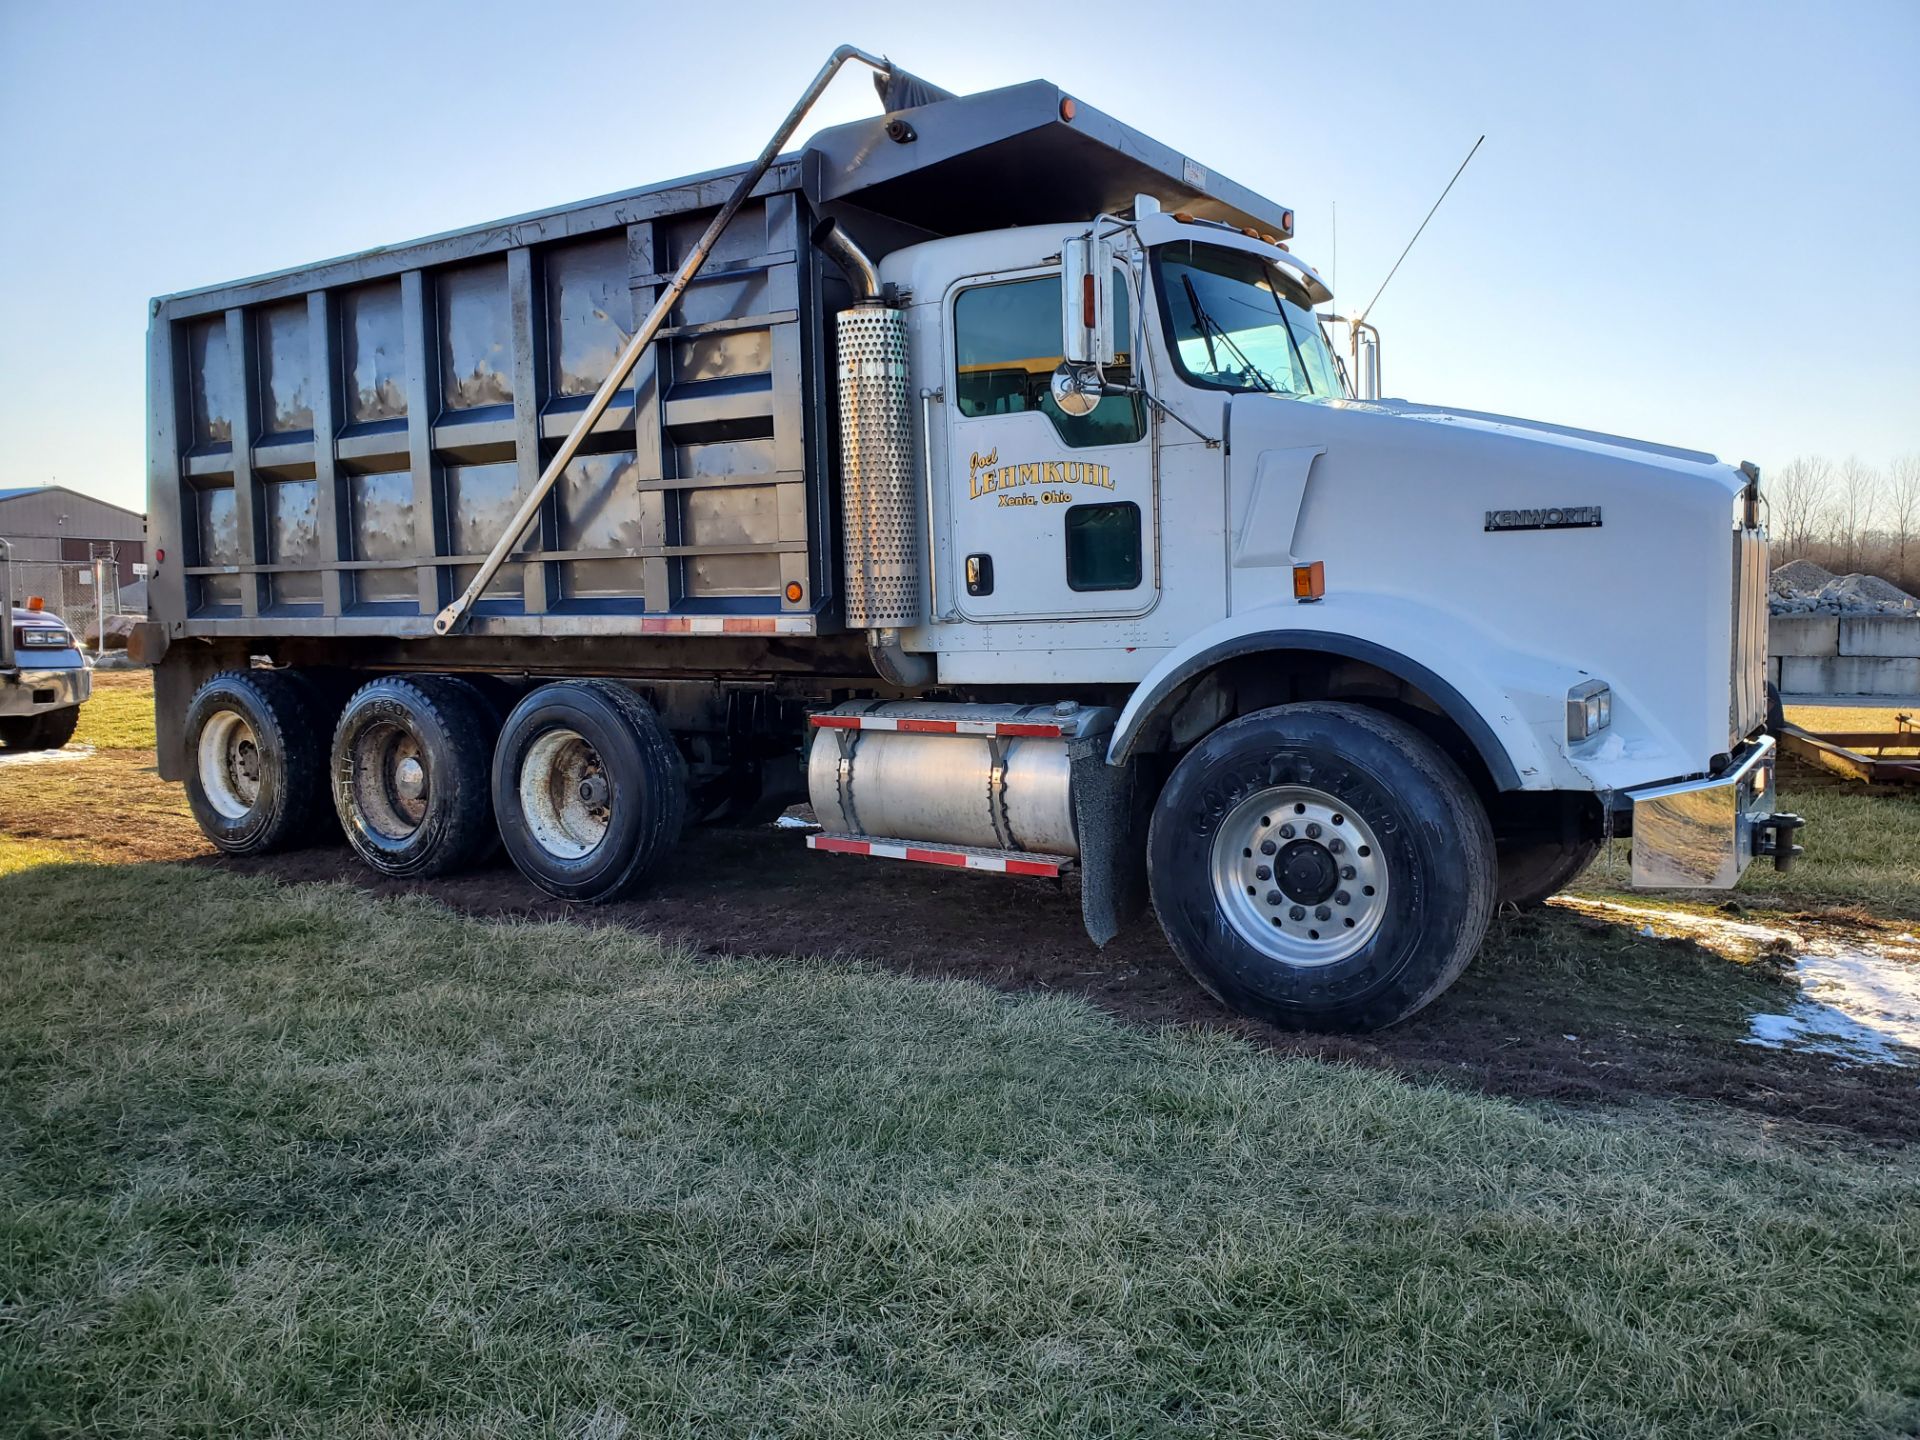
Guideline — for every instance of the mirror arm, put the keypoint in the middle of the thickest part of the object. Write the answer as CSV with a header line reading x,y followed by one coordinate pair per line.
x,y
1165,409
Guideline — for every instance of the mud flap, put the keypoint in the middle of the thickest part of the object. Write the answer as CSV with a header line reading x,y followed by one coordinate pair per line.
x,y
1109,818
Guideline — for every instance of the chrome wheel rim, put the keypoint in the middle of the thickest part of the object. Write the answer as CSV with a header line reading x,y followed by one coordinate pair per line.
x,y
388,780
229,764
1299,876
565,794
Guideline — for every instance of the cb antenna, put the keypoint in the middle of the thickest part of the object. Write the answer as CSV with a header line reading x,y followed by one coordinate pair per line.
x,y
1416,235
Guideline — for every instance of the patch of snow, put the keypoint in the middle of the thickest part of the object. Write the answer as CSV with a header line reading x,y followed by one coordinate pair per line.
x,y
1856,1006
794,822
46,757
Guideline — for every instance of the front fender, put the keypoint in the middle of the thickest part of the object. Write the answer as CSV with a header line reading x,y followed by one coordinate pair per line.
x,y
1510,705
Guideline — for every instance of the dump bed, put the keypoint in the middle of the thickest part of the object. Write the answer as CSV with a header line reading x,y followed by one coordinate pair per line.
x,y
334,449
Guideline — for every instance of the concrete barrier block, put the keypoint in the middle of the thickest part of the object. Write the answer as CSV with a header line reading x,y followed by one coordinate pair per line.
x,y
1892,635
1849,675
1803,634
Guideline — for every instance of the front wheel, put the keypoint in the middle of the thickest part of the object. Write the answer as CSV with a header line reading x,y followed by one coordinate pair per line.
x,y
1321,867
48,730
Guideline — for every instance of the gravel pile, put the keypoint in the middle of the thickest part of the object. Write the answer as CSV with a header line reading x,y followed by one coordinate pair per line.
x,y
1804,588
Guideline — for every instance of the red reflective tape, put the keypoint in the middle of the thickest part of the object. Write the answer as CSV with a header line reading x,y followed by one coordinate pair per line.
x,y
931,727
845,847
1038,732
748,627
1031,867
937,857
834,722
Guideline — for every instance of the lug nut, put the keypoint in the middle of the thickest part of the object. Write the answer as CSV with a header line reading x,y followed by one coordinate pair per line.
x,y
1267,847
1274,897
1322,913
1336,845
1263,873
1286,832
1313,832
1347,872
1343,898
1297,913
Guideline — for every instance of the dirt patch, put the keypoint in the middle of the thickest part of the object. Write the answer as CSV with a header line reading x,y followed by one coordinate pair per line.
x,y
1559,1005
110,806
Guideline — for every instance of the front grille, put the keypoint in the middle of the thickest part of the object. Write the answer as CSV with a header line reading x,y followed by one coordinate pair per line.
x,y
1750,577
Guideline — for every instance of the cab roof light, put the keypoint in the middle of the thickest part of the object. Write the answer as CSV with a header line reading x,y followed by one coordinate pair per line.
x,y
1185,217
1309,581
36,602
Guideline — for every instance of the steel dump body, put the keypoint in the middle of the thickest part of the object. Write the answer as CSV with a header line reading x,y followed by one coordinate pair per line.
x,y
334,449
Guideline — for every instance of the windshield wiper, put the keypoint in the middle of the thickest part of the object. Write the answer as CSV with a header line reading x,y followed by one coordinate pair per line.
x,y
1209,328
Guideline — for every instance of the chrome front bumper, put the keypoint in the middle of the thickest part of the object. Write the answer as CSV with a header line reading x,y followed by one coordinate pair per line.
x,y
1702,834
31,692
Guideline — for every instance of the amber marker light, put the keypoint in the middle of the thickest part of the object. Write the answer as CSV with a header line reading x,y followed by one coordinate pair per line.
x,y
1067,108
794,592
1309,581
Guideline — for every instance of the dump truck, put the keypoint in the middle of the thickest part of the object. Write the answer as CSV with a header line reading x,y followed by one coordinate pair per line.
x,y
984,473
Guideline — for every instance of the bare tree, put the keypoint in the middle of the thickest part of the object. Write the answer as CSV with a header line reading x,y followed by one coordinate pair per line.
x,y
1796,498
1854,495
1903,515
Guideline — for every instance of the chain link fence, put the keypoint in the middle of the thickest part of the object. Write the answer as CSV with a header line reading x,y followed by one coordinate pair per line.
x,y
73,591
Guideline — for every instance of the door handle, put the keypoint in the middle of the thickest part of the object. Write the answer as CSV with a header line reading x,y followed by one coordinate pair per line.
x,y
979,574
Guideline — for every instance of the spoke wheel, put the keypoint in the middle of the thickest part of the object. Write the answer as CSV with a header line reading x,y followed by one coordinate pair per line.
x,y
1298,876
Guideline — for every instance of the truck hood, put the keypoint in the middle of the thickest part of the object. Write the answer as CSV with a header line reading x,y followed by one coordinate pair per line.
x,y
1691,461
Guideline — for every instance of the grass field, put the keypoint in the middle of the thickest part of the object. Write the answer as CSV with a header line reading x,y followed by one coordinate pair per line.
x,y
319,1164
286,1159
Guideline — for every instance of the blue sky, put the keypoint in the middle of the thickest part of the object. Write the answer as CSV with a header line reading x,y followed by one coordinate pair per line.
x,y
1697,223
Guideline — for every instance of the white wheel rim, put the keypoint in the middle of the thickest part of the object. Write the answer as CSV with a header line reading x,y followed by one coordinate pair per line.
x,y
565,795
229,764
1299,876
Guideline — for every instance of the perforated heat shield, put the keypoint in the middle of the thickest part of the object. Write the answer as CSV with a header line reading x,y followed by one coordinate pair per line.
x,y
876,469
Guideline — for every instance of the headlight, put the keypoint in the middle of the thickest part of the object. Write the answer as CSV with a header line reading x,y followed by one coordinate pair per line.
x,y
41,637
1589,709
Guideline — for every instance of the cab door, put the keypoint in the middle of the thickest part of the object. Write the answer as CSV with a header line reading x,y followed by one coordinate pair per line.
x,y
1052,515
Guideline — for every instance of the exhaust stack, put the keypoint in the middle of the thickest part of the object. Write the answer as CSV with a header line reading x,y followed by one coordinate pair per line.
x,y
878,506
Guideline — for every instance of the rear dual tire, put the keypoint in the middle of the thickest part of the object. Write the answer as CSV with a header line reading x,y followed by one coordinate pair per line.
x,y
1321,867
589,789
256,761
410,775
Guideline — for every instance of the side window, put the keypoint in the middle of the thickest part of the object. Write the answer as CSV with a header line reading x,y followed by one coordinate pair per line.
x,y
1007,346
1103,547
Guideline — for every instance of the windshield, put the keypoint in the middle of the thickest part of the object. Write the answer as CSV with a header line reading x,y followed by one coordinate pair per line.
x,y
1236,322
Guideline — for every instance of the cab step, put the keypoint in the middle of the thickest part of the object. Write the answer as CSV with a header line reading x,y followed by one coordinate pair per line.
x,y
960,857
